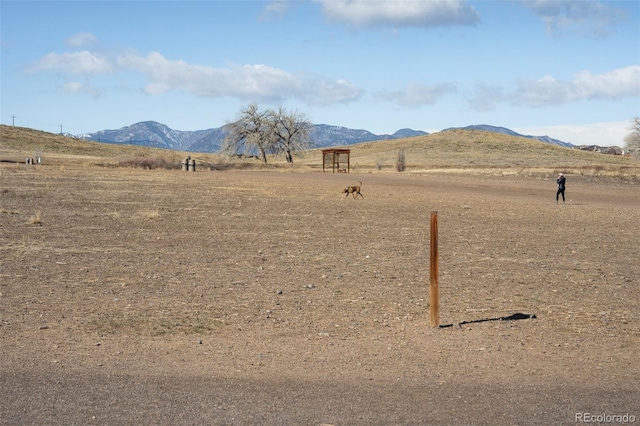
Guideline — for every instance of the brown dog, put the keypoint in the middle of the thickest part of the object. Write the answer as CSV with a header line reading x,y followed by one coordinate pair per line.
x,y
355,190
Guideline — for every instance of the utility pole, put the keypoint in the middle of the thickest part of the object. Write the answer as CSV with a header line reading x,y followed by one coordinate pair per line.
x,y
61,129
13,120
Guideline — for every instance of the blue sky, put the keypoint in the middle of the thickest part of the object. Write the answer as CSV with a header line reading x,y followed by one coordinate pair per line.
x,y
566,69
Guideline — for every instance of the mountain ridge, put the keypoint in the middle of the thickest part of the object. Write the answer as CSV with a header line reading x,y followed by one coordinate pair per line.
x,y
497,129
158,135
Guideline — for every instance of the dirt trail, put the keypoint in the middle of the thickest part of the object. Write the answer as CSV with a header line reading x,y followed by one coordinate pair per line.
x,y
161,297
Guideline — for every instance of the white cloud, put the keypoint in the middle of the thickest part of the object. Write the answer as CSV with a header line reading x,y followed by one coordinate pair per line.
x,y
394,13
416,95
615,84
323,91
81,39
485,97
275,10
547,90
601,134
247,82
74,87
84,62
250,82
165,75
619,83
576,16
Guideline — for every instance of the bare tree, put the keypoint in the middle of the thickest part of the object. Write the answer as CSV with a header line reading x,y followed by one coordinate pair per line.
x,y
633,139
252,131
292,131
278,131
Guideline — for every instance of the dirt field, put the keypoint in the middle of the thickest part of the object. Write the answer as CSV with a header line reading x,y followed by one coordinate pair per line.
x,y
255,297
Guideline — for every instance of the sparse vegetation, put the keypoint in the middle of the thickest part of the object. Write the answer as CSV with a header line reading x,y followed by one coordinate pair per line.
x,y
276,277
153,325
149,214
36,219
455,151
151,162
5,211
401,162
379,164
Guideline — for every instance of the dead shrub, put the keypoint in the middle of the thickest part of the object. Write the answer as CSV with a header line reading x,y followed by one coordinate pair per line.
x,y
149,214
150,163
401,162
36,219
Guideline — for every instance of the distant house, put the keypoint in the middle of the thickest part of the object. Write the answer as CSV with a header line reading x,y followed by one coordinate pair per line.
x,y
611,150
614,150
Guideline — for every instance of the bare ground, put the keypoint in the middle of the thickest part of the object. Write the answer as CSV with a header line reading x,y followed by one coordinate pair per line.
x,y
256,297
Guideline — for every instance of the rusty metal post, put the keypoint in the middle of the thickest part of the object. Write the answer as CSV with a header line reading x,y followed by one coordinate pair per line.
x,y
434,298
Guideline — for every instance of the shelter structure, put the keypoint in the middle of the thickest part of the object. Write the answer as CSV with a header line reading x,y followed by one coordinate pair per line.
x,y
339,159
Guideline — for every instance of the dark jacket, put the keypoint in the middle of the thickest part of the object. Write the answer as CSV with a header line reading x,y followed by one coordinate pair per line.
x,y
561,181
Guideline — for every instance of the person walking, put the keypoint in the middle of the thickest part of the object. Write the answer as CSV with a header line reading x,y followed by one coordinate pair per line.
x,y
561,185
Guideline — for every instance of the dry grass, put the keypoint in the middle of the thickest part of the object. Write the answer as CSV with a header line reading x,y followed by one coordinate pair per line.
x,y
149,214
30,141
455,151
153,325
469,151
36,219
146,162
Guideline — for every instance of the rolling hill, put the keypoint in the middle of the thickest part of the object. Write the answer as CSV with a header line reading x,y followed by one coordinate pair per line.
x,y
496,129
453,149
475,149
